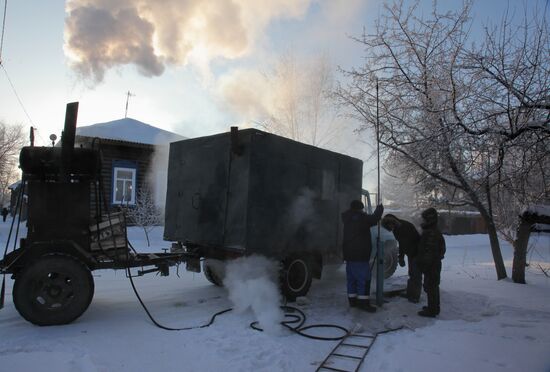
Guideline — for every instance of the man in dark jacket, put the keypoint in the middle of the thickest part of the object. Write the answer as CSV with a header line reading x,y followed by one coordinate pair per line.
x,y
357,249
431,251
406,235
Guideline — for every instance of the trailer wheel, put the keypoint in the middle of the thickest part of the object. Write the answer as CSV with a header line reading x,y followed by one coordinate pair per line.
x,y
55,289
391,257
214,271
296,277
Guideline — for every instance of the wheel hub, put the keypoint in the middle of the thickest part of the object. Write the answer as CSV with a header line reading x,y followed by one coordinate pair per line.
x,y
54,291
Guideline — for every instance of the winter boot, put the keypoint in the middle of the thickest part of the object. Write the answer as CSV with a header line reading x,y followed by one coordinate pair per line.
x,y
426,312
426,308
409,298
429,311
364,304
433,300
352,301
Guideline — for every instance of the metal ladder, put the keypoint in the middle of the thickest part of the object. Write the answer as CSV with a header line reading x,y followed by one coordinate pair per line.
x,y
348,355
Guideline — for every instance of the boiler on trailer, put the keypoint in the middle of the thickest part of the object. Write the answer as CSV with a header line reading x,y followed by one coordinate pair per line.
x,y
229,195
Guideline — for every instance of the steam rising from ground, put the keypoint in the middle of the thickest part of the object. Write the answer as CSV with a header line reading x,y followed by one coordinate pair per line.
x,y
102,34
252,283
157,175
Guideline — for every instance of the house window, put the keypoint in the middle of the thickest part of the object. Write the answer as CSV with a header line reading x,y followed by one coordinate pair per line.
x,y
124,185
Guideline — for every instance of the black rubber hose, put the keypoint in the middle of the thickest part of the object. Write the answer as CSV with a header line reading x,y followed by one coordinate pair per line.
x,y
290,324
212,319
298,329
294,324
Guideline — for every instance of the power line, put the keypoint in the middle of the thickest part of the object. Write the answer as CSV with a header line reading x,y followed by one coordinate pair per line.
x,y
16,95
6,72
3,29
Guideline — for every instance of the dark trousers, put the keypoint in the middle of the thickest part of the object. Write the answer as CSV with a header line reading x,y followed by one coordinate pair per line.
x,y
432,278
414,284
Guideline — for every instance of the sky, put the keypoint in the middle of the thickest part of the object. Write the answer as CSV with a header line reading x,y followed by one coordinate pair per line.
x,y
180,59
179,91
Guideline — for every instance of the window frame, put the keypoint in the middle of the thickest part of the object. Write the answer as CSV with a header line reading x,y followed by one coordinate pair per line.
x,y
129,167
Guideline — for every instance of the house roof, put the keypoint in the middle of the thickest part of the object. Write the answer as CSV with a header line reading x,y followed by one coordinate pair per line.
x,y
129,130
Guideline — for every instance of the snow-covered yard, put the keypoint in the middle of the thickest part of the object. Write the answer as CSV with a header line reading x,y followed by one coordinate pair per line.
x,y
485,324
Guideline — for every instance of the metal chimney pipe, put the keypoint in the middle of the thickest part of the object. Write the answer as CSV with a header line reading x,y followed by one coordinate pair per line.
x,y
235,147
68,138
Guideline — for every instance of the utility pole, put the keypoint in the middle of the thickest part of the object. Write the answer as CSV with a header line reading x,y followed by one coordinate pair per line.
x,y
128,95
379,247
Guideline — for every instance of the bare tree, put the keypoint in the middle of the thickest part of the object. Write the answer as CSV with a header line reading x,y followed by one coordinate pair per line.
x,y
11,141
145,213
453,114
399,191
302,107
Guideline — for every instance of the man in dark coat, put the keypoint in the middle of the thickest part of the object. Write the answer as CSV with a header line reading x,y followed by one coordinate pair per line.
x,y
431,251
357,248
5,213
407,236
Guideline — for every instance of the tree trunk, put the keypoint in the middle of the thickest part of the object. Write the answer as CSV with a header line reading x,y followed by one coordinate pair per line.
x,y
147,236
526,221
495,249
493,238
520,251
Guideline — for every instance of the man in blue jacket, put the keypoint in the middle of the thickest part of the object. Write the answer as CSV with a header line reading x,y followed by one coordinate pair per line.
x,y
357,248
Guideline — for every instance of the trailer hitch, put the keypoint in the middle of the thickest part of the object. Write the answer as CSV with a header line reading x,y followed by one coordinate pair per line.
x,y
163,269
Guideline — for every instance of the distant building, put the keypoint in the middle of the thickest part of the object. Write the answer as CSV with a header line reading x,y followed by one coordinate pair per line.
x,y
131,154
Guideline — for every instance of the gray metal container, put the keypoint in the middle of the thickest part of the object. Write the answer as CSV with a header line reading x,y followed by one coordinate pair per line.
x,y
253,192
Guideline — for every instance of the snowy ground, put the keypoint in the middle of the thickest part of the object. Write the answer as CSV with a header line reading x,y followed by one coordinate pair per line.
x,y
485,324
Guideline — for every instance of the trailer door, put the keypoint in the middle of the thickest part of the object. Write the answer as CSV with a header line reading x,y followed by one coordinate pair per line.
x,y
197,190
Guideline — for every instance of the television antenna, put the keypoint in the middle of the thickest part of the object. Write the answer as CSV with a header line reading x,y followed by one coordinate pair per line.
x,y
128,95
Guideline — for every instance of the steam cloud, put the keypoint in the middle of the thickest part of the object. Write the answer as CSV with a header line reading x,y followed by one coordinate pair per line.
x,y
102,34
157,175
302,210
251,282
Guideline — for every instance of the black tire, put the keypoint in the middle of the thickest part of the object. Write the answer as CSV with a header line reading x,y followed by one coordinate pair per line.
x,y
296,276
391,258
55,289
214,271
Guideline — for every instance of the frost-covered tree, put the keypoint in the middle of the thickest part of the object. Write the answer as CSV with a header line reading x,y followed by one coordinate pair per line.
x,y
470,120
11,141
301,106
145,213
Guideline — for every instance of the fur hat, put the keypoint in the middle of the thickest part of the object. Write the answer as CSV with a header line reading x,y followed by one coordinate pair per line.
x,y
389,221
357,205
430,216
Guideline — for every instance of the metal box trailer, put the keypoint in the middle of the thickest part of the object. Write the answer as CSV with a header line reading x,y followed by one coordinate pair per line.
x,y
249,192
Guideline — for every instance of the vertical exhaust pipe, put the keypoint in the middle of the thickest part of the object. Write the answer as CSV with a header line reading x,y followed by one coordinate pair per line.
x,y
236,148
68,138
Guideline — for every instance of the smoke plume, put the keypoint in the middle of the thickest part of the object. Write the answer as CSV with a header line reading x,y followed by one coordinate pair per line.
x,y
252,283
102,34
